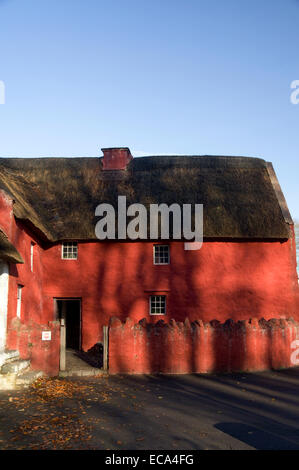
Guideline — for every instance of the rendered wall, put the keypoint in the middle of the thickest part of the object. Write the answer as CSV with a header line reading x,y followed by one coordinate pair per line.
x,y
238,280
24,334
225,279
197,347
27,339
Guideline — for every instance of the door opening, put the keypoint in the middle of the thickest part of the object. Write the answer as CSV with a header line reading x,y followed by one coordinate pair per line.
x,y
70,311
73,360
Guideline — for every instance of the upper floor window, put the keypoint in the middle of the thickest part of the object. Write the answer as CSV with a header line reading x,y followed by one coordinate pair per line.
x,y
161,254
69,250
31,255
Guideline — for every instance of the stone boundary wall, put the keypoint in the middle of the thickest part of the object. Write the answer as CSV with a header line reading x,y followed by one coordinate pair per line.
x,y
197,347
27,339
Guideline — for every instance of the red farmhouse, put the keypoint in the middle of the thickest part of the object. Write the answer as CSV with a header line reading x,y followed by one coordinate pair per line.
x,y
53,266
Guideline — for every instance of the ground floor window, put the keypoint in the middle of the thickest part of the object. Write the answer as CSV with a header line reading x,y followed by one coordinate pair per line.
x,y
157,305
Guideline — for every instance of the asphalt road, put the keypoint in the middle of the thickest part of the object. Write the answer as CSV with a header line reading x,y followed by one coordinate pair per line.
x,y
233,411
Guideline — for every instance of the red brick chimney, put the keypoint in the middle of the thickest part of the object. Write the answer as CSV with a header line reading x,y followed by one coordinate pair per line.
x,y
116,158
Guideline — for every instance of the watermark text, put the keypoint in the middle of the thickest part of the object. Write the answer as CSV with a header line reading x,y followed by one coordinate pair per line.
x,y
294,98
159,218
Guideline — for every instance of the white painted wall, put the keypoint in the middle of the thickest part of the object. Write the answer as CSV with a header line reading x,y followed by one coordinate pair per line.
x,y
3,303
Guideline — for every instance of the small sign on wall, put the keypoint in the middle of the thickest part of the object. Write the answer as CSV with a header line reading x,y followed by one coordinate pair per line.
x,y
46,335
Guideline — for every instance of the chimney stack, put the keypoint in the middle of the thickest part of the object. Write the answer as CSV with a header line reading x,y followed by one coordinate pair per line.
x,y
116,158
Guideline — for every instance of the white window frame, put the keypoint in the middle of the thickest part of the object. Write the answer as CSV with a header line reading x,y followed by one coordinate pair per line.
x,y
32,255
69,243
19,300
150,304
154,258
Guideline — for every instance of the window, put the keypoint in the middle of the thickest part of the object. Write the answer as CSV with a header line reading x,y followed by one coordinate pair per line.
x,y
161,254
70,250
157,304
19,300
31,255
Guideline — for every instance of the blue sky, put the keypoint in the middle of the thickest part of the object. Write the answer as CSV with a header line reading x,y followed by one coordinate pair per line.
x,y
159,76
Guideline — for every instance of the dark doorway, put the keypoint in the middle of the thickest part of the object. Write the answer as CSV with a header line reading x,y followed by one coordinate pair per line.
x,y
70,311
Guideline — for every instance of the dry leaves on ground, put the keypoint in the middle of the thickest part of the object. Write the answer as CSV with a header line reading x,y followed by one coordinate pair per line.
x,y
51,389
51,422
53,432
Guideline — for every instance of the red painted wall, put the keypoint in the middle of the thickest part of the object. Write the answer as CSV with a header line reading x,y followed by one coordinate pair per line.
x,y
198,347
238,280
25,333
26,337
222,280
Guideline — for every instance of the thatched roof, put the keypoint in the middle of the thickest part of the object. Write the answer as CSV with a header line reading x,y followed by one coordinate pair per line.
x,y
241,195
7,251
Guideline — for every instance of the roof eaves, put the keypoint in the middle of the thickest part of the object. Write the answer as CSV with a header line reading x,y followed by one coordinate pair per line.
x,y
279,194
8,251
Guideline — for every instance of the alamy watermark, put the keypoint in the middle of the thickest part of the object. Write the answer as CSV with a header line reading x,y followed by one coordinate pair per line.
x,y
294,98
2,92
295,354
158,217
